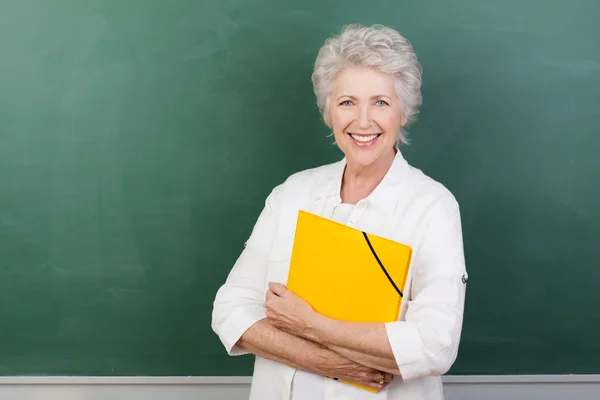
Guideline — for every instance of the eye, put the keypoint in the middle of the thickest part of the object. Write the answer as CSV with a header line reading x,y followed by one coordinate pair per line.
x,y
346,103
381,103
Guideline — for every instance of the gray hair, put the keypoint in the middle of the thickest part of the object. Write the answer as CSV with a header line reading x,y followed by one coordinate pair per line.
x,y
379,47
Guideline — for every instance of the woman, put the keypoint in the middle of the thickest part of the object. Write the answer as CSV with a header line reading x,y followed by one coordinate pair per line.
x,y
367,83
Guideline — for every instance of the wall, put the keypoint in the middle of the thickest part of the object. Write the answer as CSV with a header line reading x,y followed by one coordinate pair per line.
x,y
526,387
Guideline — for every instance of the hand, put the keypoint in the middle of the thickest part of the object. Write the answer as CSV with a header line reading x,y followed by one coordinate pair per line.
x,y
333,365
288,312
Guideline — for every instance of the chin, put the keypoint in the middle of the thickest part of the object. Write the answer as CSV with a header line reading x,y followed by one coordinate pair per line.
x,y
362,159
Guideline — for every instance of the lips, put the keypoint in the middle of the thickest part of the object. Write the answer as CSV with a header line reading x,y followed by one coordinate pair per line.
x,y
364,140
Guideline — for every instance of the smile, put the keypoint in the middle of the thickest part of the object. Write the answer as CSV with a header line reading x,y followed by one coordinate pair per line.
x,y
366,139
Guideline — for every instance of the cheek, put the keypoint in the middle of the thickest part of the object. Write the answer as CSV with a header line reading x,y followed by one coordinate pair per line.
x,y
390,122
340,120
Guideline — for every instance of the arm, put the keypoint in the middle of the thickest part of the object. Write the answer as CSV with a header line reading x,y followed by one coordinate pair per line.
x,y
385,364
364,343
269,342
264,340
426,343
240,302
239,313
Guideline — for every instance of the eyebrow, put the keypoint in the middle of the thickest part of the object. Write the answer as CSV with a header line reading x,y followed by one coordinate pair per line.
x,y
372,97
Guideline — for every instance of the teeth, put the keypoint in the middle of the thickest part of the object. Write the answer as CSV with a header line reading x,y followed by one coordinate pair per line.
x,y
364,138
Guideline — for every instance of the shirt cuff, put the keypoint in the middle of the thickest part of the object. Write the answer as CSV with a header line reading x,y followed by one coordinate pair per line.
x,y
405,342
236,324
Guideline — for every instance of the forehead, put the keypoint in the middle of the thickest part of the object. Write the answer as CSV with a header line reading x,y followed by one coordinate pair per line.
x,y
364,81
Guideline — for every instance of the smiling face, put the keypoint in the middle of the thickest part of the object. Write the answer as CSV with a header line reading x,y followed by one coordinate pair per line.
x,y
366,115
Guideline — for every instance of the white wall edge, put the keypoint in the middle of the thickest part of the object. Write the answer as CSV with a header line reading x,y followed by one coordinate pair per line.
x,y
521,378
245,380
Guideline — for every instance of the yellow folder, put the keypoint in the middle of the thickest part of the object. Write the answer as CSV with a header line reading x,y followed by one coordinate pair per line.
x,y
347,274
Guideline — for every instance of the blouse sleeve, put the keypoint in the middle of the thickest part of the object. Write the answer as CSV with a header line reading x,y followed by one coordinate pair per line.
x,y
426,342
240,302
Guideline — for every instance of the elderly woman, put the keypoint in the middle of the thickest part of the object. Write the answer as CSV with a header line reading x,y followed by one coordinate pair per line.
x,y
367,82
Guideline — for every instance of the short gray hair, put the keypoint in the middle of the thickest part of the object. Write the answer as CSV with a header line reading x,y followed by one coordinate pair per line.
x,y
376,46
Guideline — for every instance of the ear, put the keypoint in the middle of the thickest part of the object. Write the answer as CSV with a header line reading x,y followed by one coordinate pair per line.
x,y
404,120
326,111
327,119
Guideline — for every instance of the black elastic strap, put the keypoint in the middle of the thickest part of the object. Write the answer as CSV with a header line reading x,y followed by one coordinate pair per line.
x,y
381,265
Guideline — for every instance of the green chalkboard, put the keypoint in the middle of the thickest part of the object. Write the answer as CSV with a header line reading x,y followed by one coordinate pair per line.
x,y
139,139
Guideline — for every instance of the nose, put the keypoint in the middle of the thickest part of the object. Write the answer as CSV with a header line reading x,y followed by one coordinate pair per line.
x,y
364,118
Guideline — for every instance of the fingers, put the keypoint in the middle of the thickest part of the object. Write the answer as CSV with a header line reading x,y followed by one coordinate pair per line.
x,y
270,295
379,380
376,385
277,288
388,377
368,383
378,376
370,378
352,372
269,299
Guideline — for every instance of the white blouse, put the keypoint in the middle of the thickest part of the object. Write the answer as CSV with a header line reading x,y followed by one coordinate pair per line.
x,y
407,207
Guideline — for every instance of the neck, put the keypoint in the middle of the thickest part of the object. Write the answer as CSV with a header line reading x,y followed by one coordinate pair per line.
x,y
360,180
